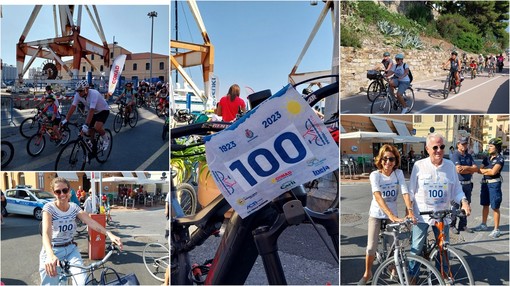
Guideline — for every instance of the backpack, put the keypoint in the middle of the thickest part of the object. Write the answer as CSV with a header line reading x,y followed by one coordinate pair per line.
x,y
410,74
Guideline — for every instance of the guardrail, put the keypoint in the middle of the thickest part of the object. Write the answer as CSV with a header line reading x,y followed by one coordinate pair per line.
x,y
7,110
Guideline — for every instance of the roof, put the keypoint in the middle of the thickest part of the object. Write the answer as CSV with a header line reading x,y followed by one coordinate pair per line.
x,y
142,56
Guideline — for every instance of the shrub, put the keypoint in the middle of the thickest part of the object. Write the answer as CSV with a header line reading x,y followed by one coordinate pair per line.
x,y
421,14
348,38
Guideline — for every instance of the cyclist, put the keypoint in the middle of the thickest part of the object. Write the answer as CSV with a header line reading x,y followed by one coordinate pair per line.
x,y
455,67
501,62
400,80
473,67
58,229
385,182
143,88
128,97
387,63
481,62
492,63
162,96
434,183
491,186
50,111
98,110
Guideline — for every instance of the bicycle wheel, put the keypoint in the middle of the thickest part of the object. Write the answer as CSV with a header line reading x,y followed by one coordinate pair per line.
x,y
36,144
187,198
426,274
373,90
156,258
381,104
335,202
65,132
72,157
164,135
102,155
7,153
460,272
29,127
133,118
409,98
80,226
117,123
456,88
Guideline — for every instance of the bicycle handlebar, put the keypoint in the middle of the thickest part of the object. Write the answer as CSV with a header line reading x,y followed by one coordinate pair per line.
x,y
198,128
397,225
65,265
441,214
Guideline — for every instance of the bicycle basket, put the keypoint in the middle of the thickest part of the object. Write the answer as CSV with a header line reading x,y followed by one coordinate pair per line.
x,y
128,279
373,74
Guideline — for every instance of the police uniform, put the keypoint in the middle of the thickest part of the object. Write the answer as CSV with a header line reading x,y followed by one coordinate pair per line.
x,y
491,185
465,180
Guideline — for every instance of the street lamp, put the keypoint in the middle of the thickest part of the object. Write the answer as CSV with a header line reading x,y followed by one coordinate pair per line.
x,y
151,15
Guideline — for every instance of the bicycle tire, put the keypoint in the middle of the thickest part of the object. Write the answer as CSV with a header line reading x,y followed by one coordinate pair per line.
x,y
156,258
427,274
374,88
80,226
72,157
456,87
164,134
117,123
133,120
446,90
7,153
461,272
187,198
103,155
65,133
29,127
409,98
336,200
36,144
381,105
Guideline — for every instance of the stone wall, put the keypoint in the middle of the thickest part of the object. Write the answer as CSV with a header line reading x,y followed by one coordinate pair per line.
x,y
354,63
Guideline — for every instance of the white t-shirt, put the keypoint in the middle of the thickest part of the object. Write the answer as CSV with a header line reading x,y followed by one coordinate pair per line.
x,y
388,186
399,71
433,188
63,223
94,100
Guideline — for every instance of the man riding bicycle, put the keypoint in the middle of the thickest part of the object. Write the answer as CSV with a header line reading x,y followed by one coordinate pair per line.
x,y
401,80
98,111
128,96
387,62
455,66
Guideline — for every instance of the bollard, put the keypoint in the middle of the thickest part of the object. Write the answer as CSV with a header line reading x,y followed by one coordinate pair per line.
x,y
97,241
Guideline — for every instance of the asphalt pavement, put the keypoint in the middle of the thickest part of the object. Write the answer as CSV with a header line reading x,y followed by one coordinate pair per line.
x,y
487,257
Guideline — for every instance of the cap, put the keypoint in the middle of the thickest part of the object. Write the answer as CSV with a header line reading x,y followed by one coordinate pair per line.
x,y
462,140
386,54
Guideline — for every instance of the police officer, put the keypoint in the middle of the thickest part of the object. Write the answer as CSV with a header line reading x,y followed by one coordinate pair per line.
x,y
465,167
491,186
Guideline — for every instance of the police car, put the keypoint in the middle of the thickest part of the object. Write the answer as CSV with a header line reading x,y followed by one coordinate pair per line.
x,y
26,200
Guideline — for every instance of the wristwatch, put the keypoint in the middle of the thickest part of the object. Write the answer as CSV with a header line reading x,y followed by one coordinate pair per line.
x,y
464,200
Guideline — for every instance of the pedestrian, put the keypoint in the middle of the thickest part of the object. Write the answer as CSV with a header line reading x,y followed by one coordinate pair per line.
x,y
411,153
491,195
83,194
74,197
88,206
231,104
450,154
434,183
385,182
58,230
4,205
465,167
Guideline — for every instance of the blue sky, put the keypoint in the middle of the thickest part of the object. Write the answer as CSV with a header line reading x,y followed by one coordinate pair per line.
x,y
257,42
129,24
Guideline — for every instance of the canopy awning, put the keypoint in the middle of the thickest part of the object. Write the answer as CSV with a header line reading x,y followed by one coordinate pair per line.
x,y
127,174
382,136
401,128
381,125
141,175
127,180
70,176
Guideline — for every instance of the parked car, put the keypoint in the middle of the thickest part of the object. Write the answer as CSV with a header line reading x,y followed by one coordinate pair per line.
x,y
26,200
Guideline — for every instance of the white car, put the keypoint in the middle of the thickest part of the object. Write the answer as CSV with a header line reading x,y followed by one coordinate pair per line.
x,y
25,200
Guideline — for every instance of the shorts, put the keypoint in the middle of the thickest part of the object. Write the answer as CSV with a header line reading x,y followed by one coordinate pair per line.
x,y
102,116
55,122
491,195
401,85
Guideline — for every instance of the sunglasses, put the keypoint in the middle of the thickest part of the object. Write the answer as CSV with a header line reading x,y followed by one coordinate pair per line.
x,y
391,159
438,147
59,192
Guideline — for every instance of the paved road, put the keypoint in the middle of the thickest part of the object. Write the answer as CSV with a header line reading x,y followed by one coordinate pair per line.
x,y
487,257
481,95
138,148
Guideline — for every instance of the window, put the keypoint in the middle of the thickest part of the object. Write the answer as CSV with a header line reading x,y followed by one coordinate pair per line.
x,y
101,68
92,57
135,67
84,69
417,118
21,178
438,118
147,66
161,65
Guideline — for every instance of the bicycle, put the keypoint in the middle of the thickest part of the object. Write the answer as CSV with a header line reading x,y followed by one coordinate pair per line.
x,y
377,85
244,239
66,277
76,153
123,119
490,70
450,84
156,258
396,269
166,126
37,142
31,125
7,153
454,268
385,102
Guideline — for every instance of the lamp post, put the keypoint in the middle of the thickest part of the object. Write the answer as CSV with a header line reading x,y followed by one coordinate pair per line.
x,y
151,15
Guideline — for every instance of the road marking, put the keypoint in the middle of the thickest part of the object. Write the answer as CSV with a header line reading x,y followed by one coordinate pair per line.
x,y
153,157
455,96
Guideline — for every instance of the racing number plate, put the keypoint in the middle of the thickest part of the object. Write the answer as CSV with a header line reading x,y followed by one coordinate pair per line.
x,y
277,146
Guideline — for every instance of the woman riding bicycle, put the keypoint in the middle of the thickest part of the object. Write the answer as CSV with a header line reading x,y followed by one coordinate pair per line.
x,y
401,80
455,66
128,95
58,229
385,183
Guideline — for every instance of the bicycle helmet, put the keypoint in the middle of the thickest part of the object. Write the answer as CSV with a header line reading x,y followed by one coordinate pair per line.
x,y
386,54
399,56
455,53
81,85
496,142
48,88
50,97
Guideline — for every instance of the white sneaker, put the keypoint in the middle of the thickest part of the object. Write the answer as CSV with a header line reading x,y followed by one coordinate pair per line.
x,y
495,233
481,227
405,110
106,144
